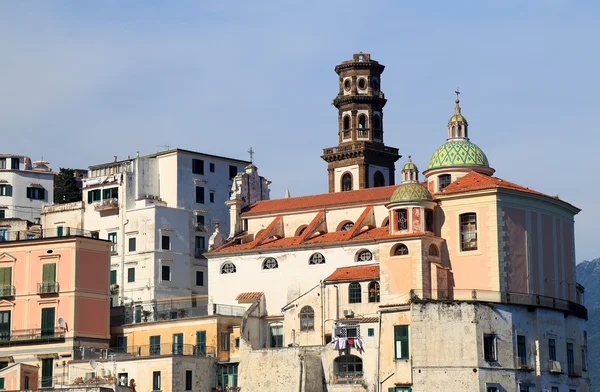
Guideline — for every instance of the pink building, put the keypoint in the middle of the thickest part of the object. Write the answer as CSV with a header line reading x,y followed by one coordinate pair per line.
x,y
54,298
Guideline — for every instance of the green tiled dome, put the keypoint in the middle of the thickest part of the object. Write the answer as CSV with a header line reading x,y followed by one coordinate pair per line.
x,y
409,166
410,192
458,153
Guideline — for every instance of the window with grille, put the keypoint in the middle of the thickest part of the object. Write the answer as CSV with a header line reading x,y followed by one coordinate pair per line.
x,y
354,293
307,319
374,293
402,219
489,348
270,263
401,250
228,268
443,181
468,232
364,255
347,226
347,182
316,258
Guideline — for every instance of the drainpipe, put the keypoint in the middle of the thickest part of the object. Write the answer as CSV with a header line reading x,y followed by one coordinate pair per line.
x,y
379,355
322,314
122,209
337,302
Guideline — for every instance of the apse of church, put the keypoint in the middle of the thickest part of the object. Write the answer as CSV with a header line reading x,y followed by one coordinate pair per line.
x,y
361,159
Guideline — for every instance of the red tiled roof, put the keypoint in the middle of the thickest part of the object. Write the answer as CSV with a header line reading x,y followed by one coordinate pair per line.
x,y
362,197
474,181
249,296
357,272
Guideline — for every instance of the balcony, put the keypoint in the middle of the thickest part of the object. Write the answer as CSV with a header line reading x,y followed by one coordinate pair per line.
x,y
23,235
189,350
362,133
348,377
7,291
574,370
48,288
111,204
120,315
23,336
524,363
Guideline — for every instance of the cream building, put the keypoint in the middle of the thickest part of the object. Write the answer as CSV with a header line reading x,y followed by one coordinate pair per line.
x,y
463,282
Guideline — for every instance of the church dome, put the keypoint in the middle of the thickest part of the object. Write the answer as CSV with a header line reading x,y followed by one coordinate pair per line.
x,y
457,117
409,166
458,153
410,192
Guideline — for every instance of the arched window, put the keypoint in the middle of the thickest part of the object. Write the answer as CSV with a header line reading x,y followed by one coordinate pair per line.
x,y
429,220
376,122
443,181
468,231
348,367
270,263
378,179
347,226
362,121
400,250
228,268
346,123
402,219
433,251
374,292
316,258
300,230
347,182
307,319
354,293
364,255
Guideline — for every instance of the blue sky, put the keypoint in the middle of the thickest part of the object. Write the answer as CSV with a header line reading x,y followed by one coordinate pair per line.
x,y
83,81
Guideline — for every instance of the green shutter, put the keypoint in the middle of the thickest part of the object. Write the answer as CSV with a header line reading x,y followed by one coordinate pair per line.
x,y
8,191
90,197
401,349
59,231
113,276
2,383
48,315
5,275
391,389
49,273
138,315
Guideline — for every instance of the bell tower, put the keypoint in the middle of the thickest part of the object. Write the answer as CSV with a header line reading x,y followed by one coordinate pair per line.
x,y
360,160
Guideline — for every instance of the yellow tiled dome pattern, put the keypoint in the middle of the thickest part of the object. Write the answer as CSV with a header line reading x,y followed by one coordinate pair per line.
x,y
410,192
458,153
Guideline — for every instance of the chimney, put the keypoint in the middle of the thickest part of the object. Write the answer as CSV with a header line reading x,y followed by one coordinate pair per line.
x,y
114,158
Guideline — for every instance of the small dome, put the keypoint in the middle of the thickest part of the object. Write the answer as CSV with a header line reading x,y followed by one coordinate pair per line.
x,y
458,153
409,166
457,118
410,192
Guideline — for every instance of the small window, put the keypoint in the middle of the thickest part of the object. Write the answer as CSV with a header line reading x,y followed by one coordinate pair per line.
x,y
228,268
211,167
354,293
14,163
199,220
555,389
270,263
211,197
113,276
489,348
433,251
364,255
521,350
225,341
197,166
346,123
156,385
491,389
362,121
362,83
374,293
36,193
200,194
200,246
131,274
347,182
5,190
468,232
525,388
347,226
232,171
402,219
307,319
166,273
400,250
132,244
165,242
401,342
378,179
371,332
552,349
188,380
443,181
94,195
199,278
2,214
376,122
276,335
316,258
429,220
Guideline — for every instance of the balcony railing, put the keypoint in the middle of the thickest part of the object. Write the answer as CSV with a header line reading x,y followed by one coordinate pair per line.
x,y
21,235
163,349
48,288
7,291
348,377
107,204
17,336
574,369
172,311
524,363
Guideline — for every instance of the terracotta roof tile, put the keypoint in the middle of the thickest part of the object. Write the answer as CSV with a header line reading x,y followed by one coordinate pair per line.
x,y
368,320
249,296
362,197
357,272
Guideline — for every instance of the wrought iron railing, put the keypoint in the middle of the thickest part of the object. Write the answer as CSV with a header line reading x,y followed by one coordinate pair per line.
x,y
48,287
16,336
20,235
198,350
7,291
107,204
348,377
171,311
524,363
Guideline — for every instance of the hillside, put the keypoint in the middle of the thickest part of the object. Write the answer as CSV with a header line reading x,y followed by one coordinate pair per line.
x,y
588,274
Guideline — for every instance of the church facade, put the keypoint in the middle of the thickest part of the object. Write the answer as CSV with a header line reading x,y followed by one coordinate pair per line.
x,y
459,281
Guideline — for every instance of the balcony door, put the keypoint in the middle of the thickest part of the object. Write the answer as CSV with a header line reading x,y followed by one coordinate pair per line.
x,y
178,344
48,315
5,325
201,343
46,381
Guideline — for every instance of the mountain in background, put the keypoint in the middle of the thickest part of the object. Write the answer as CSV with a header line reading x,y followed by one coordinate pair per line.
x,y
588,274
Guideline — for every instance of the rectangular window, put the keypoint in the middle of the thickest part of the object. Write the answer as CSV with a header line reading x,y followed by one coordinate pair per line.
x,y
552,349
59,231
5,280
110,193
200,220
14,163
177,348
154,345
489,348
198,166
401,342
570,359
200,194
276,335
523,388
48,316
211,167
113,276
521,350
211,197
491,389
201,343
94,195
402,219
3,234
131,274
165,242
443,181
224,341
166,273
199,278
200,246
112,237
47,365
232,171
188,380
5,325
429,220
95,234
132,244
2,163
5,190
468,232
371,332
138,315
2,214
554,389
48,277
36,193
122,344
156,381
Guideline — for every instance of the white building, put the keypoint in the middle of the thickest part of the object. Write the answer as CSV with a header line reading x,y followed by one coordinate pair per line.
x,y
24,188
158,211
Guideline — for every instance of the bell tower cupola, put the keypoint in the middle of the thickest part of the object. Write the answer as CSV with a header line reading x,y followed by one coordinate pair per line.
x,y
458,125
361,160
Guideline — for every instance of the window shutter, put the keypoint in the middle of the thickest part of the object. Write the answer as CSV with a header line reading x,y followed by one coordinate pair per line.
x,y
9,190
5,275
49,273
391,389
90,197
29,193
